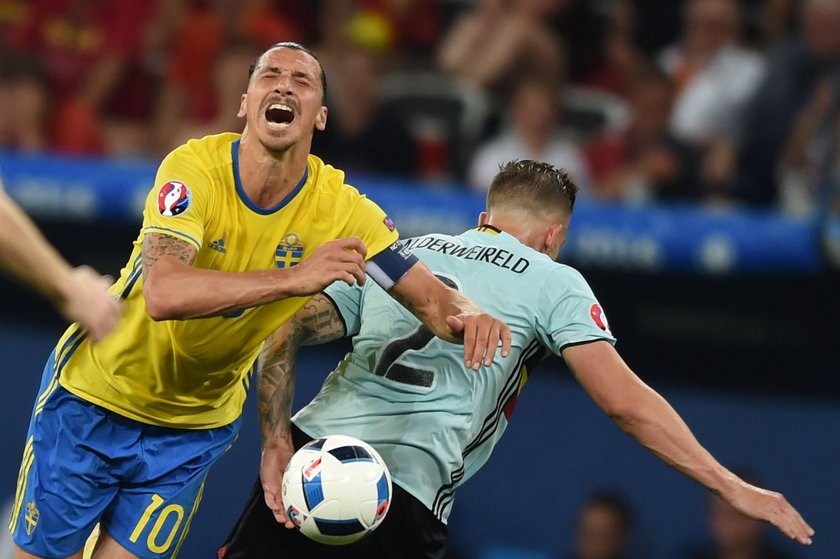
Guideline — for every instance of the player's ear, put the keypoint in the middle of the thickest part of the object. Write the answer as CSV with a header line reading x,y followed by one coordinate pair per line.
x,y
482,219
243,105
555,237
321,119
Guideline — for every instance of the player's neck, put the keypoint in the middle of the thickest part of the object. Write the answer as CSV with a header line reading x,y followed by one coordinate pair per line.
x,y
268,177
528,232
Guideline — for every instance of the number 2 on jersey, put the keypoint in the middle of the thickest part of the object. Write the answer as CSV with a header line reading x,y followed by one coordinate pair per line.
x,y
416,340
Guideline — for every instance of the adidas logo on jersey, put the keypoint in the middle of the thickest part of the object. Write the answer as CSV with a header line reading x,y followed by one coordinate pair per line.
x,y
218,246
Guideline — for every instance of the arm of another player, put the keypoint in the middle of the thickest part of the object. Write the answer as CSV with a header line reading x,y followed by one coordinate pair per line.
x,y
451,315
316,323
651,420
168,270
80,294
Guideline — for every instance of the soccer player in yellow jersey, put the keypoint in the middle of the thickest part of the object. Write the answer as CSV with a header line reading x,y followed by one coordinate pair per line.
x,y
239,232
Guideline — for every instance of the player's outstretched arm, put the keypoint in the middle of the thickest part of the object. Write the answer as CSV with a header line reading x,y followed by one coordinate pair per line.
x,y
648,418
452,316
80,295
316,323
168,270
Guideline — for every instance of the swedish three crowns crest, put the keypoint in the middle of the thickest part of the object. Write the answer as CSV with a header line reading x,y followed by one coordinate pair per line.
x,y
289,251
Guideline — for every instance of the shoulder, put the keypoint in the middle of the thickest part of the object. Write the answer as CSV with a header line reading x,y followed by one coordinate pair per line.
x,y
738,62
558,279
208,146
327,179
205,153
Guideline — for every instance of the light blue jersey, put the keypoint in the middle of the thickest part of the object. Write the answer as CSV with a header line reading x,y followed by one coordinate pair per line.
x,y
408,393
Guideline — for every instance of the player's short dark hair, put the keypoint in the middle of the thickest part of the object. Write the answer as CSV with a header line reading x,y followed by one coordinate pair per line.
x,y
532,185
295,46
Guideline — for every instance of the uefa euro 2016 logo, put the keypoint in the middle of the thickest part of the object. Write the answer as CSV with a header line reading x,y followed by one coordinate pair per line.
x,y
173,199
289,251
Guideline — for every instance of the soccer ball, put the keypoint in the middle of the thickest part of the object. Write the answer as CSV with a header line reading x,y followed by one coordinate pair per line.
x,y
336,489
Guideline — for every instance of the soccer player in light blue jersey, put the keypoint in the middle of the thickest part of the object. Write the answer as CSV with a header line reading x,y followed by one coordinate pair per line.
x,y
435,423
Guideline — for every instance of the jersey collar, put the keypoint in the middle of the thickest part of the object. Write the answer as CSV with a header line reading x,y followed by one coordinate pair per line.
x,y
487,228
234,152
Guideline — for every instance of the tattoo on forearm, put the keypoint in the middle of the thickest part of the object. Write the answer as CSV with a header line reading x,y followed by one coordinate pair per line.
x,y
316,323
156,245
277,383
319,322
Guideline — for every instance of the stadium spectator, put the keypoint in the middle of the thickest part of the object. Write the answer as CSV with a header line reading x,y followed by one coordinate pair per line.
x,y
621,59
713,74
361,137
533,131
808,171
93,55
206,43
644,161
176,124
794,71
604,527
523,43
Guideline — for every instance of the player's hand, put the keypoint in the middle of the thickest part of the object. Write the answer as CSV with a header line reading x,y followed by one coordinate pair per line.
x,y
87,302
482,335
338,260
771,507
272,465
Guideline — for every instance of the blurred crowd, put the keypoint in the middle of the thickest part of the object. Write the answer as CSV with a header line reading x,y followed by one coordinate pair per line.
x,y
715,101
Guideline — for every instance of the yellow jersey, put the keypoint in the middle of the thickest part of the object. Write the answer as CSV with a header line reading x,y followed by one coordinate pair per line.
x,y
194,374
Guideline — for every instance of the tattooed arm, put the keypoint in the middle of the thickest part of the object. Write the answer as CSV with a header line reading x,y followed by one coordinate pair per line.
x,y
451,315
168,270
316,323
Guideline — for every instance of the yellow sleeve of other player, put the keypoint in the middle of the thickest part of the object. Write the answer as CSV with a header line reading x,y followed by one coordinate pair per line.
x,y
370,223
177,203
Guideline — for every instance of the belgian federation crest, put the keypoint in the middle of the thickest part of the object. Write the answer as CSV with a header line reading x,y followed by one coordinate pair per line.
x,y
289,251
173,199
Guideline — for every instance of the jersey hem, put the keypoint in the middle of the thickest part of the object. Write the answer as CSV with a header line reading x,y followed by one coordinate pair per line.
x,y
128,414
172,233
584,342
338,312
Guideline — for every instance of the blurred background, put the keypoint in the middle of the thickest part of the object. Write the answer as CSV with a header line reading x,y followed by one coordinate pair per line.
x,y
703,135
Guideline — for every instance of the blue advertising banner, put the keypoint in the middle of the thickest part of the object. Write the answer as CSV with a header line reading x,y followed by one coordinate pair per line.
x,y
680,238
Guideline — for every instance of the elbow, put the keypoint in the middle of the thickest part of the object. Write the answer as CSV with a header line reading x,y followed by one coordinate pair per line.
x,y
160,304
623,413
159,308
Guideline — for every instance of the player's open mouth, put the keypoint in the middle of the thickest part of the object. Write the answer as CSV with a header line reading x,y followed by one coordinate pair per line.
x,y
279,115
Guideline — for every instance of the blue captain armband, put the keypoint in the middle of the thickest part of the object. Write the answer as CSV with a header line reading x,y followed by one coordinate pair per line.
x,y
387,267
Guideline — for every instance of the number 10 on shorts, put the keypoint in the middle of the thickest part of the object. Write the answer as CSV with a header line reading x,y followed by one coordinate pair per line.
x,y
154,536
